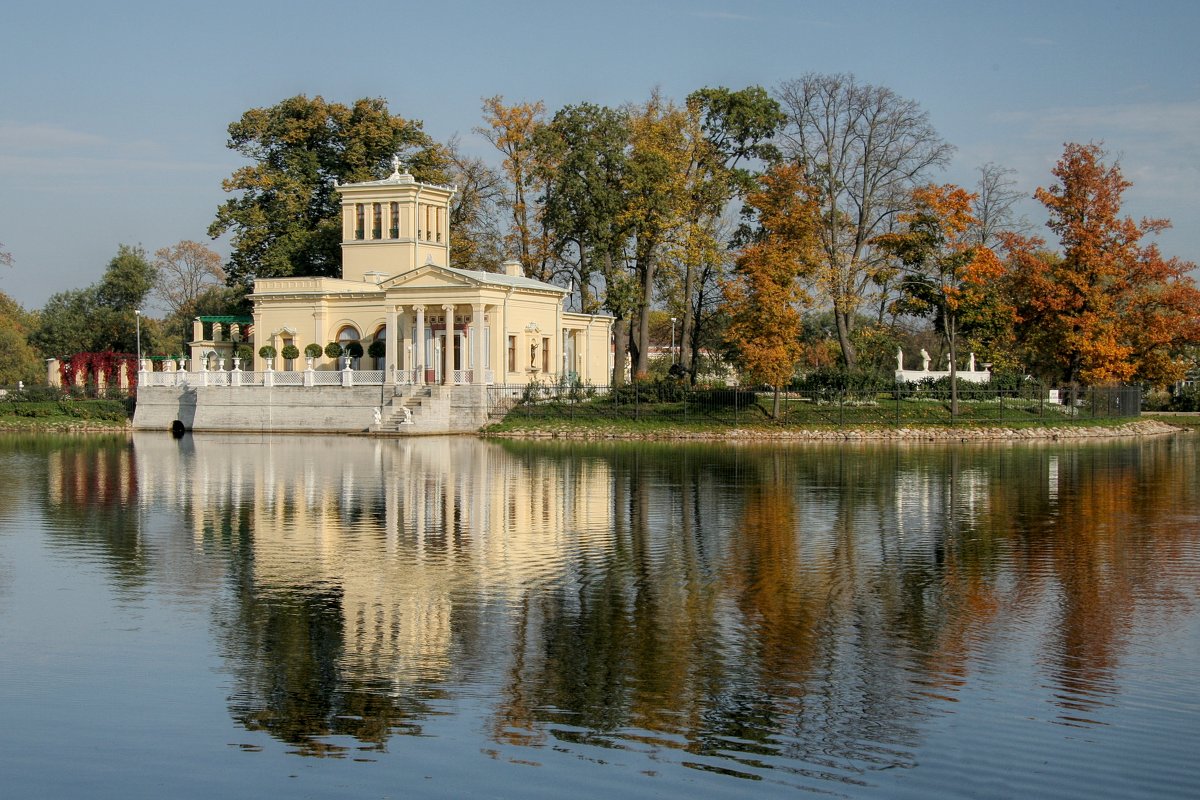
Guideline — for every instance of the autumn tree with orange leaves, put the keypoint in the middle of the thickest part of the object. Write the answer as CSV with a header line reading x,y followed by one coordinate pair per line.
x,y
1108,308
947,272
764,293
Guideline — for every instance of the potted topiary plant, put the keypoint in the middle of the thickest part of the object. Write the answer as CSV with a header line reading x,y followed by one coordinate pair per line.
x,y
377,350
290,353
311,351
354,350
267,352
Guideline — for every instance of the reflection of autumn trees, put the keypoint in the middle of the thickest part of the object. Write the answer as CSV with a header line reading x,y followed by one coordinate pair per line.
x,y
92,496
855,587
1112,541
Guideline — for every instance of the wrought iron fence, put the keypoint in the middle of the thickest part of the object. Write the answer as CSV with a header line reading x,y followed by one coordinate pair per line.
x,y
903,404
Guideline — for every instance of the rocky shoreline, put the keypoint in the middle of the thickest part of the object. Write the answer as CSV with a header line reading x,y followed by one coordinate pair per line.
x,y
912,434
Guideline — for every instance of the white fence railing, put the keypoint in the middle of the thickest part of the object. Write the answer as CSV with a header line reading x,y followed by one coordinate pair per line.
x,y
353,377
288,378
326,378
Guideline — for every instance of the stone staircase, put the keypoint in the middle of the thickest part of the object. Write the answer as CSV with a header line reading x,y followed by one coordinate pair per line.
x,y
432,410
417,402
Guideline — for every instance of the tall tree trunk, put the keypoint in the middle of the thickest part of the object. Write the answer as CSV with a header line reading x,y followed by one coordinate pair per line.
x,y
952,344
685,333
646,267
842,319
620,351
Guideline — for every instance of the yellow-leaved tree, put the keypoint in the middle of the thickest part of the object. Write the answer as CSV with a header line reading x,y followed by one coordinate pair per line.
x,y
764,294
946,271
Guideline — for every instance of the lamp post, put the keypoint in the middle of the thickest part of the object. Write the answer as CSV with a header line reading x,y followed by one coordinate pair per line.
x,y
137,316
672,340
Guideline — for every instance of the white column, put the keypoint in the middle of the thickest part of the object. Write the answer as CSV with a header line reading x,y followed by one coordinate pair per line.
x,y
448,347
477,343
419,346
390,358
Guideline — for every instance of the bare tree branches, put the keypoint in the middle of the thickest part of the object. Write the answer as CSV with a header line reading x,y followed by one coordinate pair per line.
x,y
864,148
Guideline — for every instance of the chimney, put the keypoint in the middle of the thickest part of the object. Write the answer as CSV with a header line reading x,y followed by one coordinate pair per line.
x,y
512,268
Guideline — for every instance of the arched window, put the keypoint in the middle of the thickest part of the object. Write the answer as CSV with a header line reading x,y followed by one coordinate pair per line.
x,y
380,336
347,336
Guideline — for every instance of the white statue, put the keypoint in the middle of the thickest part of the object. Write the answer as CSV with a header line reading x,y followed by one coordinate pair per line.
x,y
899,359
971,363
407,416
378,416
925,359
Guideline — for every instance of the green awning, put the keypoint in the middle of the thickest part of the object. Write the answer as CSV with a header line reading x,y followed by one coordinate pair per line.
x,y
226,319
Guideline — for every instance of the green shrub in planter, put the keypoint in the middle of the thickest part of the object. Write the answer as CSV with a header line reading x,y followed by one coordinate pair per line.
x,y
244,352
266,351
290,352
333,350
377,349
354,350
313,350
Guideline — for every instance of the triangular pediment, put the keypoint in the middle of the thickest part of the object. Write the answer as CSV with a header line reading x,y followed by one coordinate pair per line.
x,y
430,276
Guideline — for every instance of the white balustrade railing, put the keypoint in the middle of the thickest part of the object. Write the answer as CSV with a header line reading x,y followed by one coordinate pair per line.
x,y
368,377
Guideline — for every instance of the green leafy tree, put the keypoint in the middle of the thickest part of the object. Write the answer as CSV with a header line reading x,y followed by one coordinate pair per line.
x,y
581,162
100,317
725,131
18,360
285,219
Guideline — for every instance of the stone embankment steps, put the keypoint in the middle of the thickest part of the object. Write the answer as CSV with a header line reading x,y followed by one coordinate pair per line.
x,y
394,421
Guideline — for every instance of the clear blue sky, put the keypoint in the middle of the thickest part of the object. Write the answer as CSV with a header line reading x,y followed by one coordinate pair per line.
x,y
113,115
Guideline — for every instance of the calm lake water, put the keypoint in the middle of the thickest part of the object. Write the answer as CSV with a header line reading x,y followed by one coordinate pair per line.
x,y
338,617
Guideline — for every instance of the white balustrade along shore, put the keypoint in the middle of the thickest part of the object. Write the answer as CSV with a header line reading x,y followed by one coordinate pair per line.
x,y
308,377
970,374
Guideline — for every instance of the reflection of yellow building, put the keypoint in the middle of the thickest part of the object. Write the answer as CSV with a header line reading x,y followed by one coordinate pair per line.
x,y
401,529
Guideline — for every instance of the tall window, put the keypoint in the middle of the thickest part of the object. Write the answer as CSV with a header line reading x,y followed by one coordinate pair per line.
x,y
379,362
376,221
545,354
347,336
512,354
360,221
395,220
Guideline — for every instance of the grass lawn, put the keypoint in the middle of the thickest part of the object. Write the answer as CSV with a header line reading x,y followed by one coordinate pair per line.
x,y
63,415
602,415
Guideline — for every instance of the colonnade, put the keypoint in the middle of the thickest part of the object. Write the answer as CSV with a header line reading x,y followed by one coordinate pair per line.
x,y
407,355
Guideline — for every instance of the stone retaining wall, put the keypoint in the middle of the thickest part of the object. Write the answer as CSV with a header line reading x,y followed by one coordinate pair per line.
x,y
318,409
